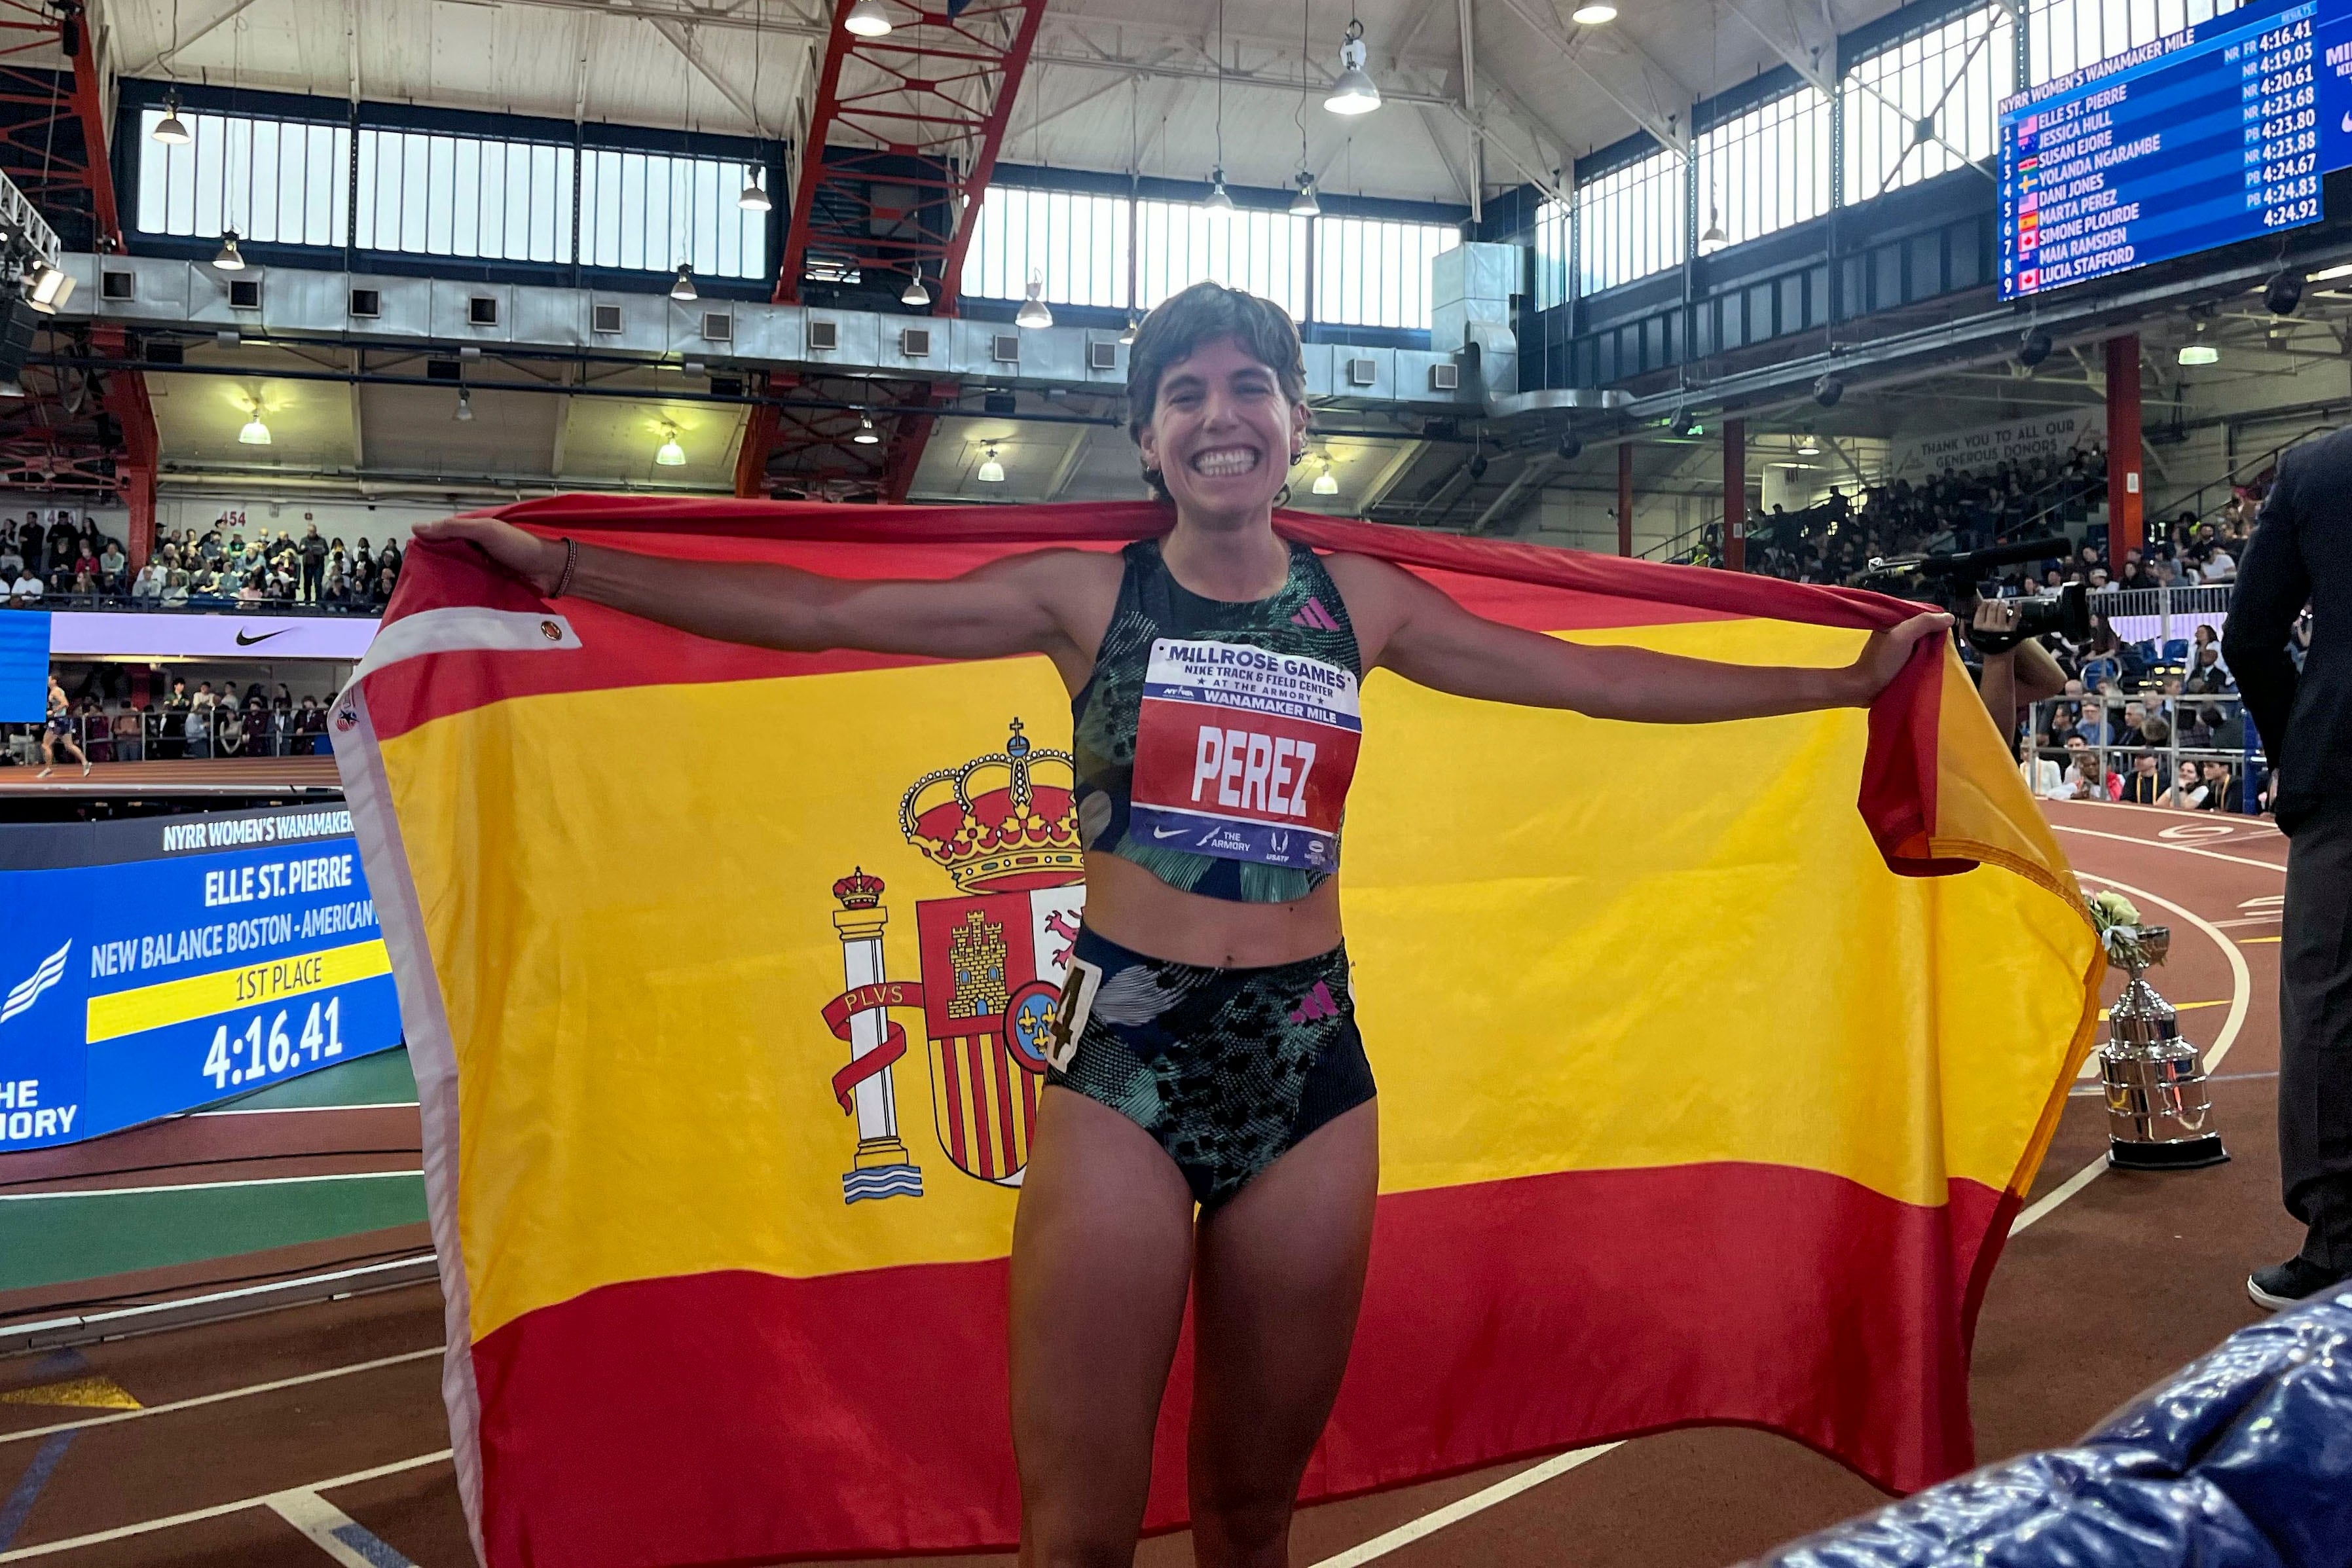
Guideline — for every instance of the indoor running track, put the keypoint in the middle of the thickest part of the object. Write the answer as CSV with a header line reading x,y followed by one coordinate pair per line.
x,y
316,1434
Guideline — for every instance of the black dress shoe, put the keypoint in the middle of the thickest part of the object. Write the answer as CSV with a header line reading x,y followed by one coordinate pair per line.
x,y
2286,1284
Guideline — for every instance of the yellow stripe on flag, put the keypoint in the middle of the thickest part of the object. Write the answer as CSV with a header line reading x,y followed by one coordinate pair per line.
x,y
225,991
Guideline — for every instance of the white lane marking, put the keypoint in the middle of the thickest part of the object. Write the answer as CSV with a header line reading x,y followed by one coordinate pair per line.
x,y
296,1110
2176,849
335,1532
2248,920
173,1521
200,1185
225,1394
2058,1195
1477,1502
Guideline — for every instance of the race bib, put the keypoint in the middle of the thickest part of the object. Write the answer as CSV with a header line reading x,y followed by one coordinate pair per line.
x,y
1245,754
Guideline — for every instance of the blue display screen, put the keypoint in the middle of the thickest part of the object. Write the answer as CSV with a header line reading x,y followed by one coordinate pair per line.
x,y
2214,134
23,666
156,965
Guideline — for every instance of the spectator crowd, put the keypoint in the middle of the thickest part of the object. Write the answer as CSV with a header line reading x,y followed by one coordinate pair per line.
x,y
204,723
65,564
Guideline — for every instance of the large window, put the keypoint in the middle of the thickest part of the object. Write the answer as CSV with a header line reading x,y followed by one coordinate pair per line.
x,y
2064,35
278,182
1768,169
425,194
1074,241
1630,223
1179,244
1926,105
644,211
1554,243
1370,272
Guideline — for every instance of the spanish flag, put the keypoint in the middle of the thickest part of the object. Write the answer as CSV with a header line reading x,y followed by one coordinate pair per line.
x,y
1713,1058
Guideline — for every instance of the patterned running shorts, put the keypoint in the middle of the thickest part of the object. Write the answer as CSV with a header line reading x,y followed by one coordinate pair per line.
x,y
1228,1069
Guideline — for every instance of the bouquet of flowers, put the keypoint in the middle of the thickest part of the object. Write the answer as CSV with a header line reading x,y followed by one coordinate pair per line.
x,y
2117,924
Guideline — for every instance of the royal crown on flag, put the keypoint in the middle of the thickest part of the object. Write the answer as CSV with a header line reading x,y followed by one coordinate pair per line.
x,y
993,824
858,890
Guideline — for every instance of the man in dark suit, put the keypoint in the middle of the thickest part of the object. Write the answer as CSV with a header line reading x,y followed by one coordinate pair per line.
x,y
2302,551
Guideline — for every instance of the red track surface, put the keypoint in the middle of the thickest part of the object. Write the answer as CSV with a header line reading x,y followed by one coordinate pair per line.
x,y
2131,1278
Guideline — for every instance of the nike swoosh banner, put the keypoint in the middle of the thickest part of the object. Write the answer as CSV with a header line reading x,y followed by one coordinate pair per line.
x,y
1713,1058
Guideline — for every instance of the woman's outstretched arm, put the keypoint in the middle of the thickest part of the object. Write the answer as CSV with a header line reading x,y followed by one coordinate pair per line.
x,y
1024,604
1427,638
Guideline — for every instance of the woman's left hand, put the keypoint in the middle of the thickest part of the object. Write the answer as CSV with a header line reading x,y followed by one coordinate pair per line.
x,y
1884,655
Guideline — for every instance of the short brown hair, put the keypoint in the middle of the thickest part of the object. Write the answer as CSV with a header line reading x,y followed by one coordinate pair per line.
x,y
1200,314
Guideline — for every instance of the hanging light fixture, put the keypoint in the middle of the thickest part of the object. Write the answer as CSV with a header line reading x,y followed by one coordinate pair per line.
x,y
2198,351
255,432
670,455
230,259
755,198
990,471
464,414
915,294
1324,483
683,290
1219,200
867,20
1304,204
1808,447
1353,93
866,435
1593,13
1712,238
171,131
1127,338
1033,311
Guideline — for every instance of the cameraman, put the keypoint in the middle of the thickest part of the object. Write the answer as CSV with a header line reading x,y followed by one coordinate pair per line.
x,y
2018,670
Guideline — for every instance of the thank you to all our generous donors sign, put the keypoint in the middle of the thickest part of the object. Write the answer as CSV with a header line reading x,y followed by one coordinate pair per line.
x,y
1923,452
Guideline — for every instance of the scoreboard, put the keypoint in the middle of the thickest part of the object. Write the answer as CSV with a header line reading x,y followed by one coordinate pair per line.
x,y
2211,135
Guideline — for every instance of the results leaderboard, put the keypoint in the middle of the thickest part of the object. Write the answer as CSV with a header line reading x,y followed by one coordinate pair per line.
x,y
2204,136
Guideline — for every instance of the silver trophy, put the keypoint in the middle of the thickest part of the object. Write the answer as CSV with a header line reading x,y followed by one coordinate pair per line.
x,y
2160,1116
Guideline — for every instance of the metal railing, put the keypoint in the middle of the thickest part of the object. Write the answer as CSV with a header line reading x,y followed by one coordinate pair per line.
x,y
2133,767
159,735
199,604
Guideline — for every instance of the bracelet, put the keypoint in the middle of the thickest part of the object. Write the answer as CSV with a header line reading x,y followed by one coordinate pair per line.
x,y
570,565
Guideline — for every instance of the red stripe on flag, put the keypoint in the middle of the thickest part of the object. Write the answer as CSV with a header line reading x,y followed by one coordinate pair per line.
x,y
984,1157
773,1425
951,1091
1000,1065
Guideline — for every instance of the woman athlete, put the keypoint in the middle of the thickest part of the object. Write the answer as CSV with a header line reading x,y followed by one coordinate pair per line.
x,y
1208,1056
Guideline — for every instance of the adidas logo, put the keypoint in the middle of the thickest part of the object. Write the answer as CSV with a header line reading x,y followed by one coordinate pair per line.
x,y
1317,1006
1315,616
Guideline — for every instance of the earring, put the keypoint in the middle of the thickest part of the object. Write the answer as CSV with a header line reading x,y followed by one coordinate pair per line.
x,y
1297,455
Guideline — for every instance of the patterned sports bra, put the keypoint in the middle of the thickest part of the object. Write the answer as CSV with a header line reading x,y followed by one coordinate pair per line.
x,y
1215,739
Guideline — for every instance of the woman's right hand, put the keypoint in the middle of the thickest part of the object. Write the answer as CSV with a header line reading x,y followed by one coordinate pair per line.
x,y
537,561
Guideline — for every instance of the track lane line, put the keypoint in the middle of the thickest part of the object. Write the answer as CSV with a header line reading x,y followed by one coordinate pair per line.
x,y
190,1403
417,1175
1461,1509
335,1532
2168,844
218,1510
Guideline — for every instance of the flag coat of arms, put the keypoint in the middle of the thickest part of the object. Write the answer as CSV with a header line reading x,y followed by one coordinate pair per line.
x,y
1714,1059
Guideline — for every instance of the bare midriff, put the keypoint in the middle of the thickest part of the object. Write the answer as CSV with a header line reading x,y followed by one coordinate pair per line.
x,y
1129,905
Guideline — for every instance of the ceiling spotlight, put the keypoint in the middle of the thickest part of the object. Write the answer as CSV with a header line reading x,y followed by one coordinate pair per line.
x,y
2283,294
867,20
683,290
230,259
2033,348
2198,351
10,387
1219,200
1304,204
1353,93
255,432
1807,446
1685,423
990,471
1127,338
1570,447
464,414
48,288
171,131
866,435
755,198
1828,389
1033,311
915,294
1714,239
670,455
1326,483
1593,13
